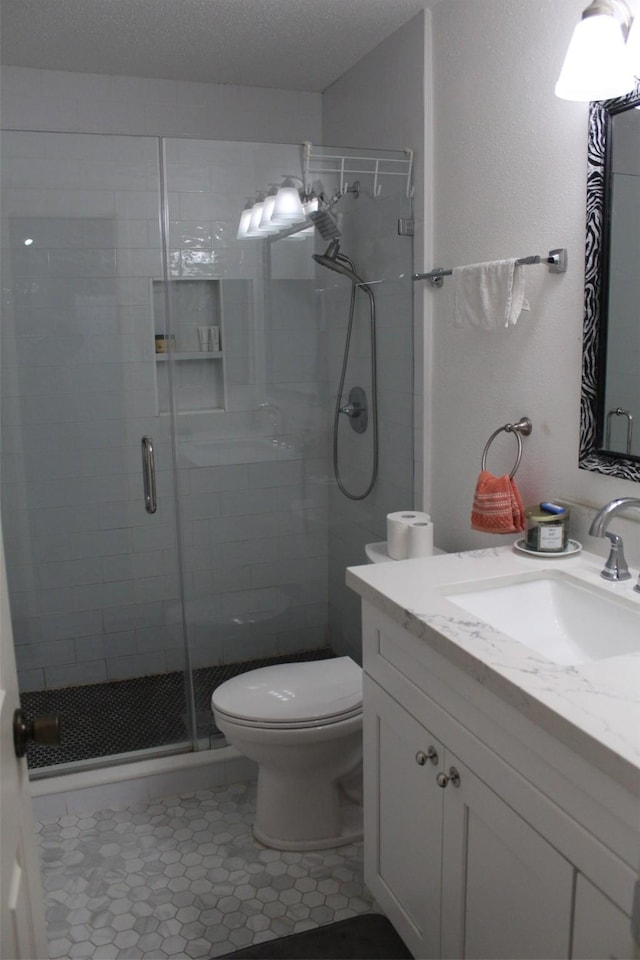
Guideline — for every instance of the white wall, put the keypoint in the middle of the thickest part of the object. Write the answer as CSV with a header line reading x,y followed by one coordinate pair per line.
x,y
97,103
509,175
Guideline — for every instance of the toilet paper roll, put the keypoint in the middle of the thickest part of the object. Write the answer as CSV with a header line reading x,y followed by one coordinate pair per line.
x,y
398,525
420,539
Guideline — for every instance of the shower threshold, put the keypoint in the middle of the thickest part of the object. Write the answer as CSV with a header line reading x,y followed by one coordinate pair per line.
x,y
126,720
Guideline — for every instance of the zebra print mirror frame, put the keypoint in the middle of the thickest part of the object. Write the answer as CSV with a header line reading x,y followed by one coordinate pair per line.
x,y
596,264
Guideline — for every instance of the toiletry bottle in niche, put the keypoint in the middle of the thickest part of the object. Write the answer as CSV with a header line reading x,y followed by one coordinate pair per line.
x,y
165,342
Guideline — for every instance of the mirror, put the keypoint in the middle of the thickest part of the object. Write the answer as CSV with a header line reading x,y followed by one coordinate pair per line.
x,y
610,403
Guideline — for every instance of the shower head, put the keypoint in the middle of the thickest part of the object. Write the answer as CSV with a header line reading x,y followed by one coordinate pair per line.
x,y
334,260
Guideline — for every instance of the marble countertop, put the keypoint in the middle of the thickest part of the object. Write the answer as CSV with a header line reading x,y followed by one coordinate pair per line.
x,y
593,707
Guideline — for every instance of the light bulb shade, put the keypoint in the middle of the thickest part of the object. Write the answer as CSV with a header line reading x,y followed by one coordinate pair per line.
x,y
310,206
267,224
288,206
253,229
243,226
597,65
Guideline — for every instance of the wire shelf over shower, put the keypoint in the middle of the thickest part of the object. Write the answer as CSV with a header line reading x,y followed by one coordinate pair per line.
x,y
316,161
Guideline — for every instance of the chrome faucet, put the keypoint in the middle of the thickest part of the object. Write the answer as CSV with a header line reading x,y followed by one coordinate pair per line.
x,y
616,567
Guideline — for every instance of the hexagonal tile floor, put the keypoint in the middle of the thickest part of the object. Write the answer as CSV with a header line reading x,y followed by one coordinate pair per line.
x,y
183,877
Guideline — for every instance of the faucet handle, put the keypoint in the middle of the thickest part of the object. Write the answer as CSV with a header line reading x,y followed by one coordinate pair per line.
x,y
616,567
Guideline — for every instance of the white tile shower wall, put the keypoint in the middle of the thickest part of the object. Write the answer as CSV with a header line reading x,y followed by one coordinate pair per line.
x,y
380,103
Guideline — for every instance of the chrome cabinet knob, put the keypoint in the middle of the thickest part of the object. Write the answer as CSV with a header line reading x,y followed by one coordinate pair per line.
x,y
422,757
43,730
443,779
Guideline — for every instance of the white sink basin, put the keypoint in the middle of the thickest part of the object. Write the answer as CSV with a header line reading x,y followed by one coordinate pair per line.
x,y
556,615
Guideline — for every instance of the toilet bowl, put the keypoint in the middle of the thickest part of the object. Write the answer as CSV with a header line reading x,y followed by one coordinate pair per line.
x,y
302,724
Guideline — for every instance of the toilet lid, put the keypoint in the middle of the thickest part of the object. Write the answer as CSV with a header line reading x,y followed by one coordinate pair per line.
x,y
293,693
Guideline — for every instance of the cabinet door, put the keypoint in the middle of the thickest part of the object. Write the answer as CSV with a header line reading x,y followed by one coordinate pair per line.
x,y
600,929
402,821
507,893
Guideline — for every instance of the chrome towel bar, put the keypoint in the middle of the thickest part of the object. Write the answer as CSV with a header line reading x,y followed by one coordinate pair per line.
x,y
557,261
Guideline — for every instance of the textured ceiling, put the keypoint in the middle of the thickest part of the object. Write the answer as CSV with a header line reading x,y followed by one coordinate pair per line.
x,y
289,44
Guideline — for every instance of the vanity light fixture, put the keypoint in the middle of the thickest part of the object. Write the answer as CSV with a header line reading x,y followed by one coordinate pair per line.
x,y
267,223
311,204
283,210
597,65
245,220
253,229
287,209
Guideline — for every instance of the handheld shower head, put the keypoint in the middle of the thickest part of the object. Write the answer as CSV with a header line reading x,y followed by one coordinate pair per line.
x,y
324,220
326,224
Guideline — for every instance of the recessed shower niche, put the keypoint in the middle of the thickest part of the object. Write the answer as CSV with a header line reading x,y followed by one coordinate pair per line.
x,y
192,319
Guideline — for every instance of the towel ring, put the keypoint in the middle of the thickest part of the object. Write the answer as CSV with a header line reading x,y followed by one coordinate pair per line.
x,y
521,428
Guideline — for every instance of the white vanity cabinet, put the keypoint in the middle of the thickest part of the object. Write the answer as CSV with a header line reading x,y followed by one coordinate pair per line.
x,y
600,928
454,867
467,854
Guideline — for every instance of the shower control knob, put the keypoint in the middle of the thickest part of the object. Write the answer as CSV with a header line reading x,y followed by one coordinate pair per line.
x,y
356,410
44,731
422,757
443,779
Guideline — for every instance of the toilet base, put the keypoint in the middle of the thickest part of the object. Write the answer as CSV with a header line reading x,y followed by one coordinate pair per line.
x,y
351,832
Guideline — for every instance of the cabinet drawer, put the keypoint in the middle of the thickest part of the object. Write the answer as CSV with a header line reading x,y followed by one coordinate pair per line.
x,y
400,662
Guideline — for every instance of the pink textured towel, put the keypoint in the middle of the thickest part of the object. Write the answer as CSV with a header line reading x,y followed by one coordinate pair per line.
x,y
497,505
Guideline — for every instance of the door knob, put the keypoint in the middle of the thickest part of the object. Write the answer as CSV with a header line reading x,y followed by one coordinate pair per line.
x,y
443,779
43,730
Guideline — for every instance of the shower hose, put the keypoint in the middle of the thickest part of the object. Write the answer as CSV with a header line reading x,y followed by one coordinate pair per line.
x,y
374,394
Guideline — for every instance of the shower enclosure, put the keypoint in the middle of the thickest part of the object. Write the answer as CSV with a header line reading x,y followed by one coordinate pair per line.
x,y
130,311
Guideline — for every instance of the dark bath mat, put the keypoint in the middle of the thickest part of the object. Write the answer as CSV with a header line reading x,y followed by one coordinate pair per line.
x,y
368,937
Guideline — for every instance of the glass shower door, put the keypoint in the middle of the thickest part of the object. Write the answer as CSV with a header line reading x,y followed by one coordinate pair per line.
x,y
250,417
265,532
94,579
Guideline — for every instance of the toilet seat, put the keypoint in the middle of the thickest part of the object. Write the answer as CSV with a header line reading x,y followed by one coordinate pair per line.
x,y
292,695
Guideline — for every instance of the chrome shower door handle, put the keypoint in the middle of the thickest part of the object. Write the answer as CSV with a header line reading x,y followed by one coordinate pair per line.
x,y
149,475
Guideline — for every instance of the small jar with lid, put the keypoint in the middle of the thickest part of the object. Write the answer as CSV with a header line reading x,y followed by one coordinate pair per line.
x,y
547,532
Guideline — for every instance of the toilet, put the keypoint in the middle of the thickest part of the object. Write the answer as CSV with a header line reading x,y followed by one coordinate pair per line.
x,y
302,724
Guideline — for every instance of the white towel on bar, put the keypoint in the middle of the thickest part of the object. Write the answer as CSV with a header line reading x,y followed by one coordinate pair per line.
x,y
488,296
